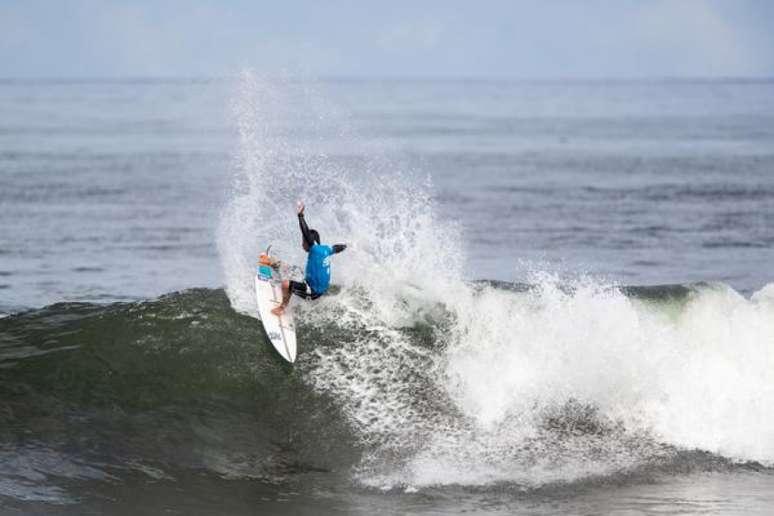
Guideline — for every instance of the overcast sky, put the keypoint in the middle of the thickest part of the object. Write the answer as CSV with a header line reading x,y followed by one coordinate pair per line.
x,y
523,39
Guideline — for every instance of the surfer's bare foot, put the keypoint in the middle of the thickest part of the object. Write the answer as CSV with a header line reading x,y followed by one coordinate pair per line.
x,y
278,311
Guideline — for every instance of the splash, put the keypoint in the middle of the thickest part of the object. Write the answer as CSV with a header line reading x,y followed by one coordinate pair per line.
x,y
353,193
448,382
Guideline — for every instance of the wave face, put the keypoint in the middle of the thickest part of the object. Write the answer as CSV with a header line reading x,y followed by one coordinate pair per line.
x,y
153,388
442,381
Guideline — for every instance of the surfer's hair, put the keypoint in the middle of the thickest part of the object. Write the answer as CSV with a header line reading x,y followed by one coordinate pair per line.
x,y
315,235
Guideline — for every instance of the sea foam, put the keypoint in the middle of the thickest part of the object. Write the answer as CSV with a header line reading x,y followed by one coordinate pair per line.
x,y
566,380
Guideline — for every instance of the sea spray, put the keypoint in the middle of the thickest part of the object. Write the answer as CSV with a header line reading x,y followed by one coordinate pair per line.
x,y
374,204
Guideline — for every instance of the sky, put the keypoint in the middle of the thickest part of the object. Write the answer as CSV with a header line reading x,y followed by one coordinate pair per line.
x,y
582,39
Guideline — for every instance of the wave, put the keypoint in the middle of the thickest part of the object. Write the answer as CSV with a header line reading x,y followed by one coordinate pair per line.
x,y
442,381
92,391
529,385
555,383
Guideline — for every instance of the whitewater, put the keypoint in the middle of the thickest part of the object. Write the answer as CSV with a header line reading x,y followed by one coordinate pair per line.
x,y
564,380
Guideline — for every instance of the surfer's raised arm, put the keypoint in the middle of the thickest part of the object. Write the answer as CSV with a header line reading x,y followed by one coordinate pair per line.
x,y
306,233
337,248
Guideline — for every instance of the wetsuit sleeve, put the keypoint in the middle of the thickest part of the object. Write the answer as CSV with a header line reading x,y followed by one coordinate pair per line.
x,y
305,231
337,248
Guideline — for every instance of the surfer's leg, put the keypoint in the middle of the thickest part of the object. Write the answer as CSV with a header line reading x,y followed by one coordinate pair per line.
x,y
301,289
285,299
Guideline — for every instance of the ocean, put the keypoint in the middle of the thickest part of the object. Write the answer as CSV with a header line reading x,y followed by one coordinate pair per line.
x,y
557,296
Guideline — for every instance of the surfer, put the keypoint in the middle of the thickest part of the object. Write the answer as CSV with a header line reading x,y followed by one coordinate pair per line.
x,y
318,266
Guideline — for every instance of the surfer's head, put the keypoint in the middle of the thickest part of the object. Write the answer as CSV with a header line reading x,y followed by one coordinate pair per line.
x,y
315,237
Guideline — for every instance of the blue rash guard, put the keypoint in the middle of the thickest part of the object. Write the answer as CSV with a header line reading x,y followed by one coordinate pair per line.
x,y
318,263
318,268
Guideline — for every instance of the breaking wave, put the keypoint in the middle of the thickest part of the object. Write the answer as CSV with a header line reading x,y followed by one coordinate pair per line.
x,y
489,384
524,385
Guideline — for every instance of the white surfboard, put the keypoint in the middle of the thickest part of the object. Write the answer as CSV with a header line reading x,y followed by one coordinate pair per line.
x,y
268,294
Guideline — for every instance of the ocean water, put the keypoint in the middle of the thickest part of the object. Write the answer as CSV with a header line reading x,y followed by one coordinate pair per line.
x,y
557,297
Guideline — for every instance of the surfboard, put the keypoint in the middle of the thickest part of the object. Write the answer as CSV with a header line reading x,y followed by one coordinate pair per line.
x,y
281,330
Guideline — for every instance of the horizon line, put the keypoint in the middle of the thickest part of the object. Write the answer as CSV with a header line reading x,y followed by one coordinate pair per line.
x,y
375,78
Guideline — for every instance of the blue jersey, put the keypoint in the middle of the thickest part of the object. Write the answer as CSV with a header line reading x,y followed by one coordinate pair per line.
x,y
318,268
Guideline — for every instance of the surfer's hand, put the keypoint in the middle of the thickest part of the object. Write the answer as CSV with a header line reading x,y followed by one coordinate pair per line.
x,y
300,208
275,265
